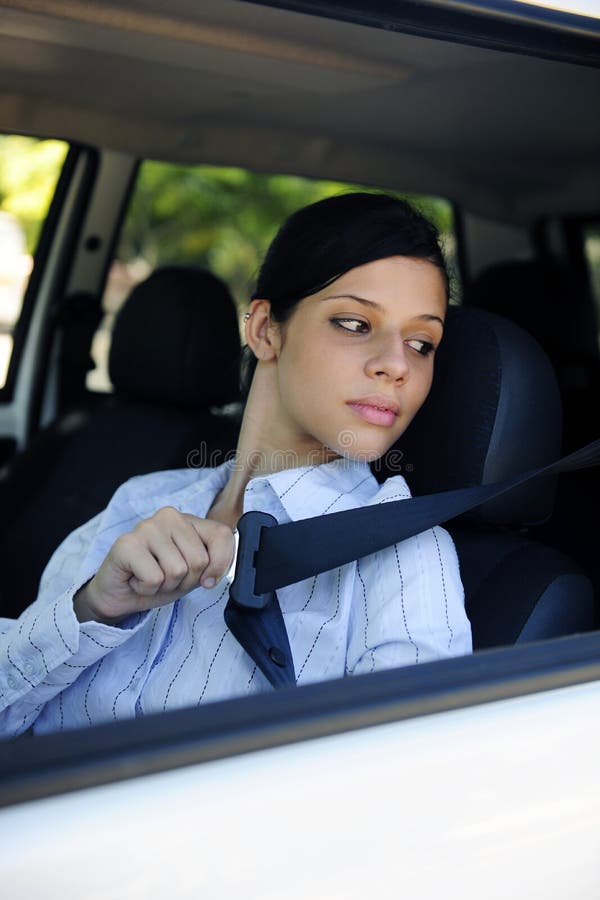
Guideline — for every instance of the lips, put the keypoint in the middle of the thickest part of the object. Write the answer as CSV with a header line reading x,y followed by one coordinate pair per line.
x,y
377,410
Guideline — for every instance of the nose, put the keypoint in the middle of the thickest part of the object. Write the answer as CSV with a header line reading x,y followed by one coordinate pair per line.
x,y
389,362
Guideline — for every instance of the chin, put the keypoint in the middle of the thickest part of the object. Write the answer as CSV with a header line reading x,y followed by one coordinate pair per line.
x,y
362,444
363,451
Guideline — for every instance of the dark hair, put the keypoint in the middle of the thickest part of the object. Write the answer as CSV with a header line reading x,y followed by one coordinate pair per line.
x,y
319,243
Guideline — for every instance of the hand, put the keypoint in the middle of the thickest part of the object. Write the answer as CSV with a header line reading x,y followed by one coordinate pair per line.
x,y
163,558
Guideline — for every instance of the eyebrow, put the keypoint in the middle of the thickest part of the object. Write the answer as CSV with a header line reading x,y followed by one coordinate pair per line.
x,y
426,317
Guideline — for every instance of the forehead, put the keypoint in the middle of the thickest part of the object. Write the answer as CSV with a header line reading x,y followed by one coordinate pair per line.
x,y
389,281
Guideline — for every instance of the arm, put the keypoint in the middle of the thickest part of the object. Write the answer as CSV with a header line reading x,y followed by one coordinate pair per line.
x,y
95,594
408,606
46,648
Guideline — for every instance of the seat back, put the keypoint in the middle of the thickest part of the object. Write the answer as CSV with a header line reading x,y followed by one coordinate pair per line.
x,y
542,297
174,358
494,411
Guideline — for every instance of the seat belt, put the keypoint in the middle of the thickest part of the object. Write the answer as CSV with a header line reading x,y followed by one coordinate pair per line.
x,y
256,622
271,556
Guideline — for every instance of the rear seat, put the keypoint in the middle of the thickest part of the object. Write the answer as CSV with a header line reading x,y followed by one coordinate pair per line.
x,y
174,358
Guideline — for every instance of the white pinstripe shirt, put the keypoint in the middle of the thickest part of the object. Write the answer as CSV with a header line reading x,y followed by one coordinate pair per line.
x,y
397,607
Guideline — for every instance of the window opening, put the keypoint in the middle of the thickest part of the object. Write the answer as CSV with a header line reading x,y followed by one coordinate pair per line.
x,y
29,172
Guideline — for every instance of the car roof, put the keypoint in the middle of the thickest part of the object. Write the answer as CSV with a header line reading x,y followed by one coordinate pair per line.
x,y
508,135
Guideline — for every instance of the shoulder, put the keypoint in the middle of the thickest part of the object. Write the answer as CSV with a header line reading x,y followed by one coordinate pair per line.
x,y
155,484
144,494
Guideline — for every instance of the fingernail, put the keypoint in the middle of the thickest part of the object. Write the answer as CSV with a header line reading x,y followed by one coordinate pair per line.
x,y
208,582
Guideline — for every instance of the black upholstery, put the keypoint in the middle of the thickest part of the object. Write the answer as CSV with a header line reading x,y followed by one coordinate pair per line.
x,y
176,341
555,304
79,316
531,293
519,590
494,411
159,417
540,296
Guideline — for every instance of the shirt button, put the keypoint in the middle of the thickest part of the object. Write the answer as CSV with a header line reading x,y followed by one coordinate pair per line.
x,y
278,657
28,668
11,682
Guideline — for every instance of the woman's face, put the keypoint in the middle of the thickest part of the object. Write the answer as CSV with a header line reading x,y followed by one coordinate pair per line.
x,y
355,361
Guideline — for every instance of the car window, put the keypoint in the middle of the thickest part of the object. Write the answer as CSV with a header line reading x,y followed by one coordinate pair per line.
x,y
222,219
29,172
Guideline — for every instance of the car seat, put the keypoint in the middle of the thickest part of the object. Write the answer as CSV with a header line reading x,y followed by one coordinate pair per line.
x,y
494,411
539,295
546,298
174,363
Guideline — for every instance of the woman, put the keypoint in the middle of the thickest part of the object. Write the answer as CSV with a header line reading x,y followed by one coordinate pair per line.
x,y
342,330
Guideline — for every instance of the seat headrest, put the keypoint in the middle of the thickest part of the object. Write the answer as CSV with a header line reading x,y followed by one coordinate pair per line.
x,y
493,411
176,340
535,294
521,290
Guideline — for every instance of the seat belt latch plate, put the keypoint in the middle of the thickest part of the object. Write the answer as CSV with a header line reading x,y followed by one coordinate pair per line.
x,y
249,529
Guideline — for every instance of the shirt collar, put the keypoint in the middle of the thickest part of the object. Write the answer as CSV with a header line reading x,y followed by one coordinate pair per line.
x,y
303,492
329,487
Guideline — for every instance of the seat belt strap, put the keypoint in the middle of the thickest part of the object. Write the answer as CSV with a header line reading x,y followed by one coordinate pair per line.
x,y
271,556
262,634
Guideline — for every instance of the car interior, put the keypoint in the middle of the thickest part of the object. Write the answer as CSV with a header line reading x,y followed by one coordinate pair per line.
x,y
508,136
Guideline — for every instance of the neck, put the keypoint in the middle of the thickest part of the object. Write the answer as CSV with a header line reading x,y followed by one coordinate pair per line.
x,y
265,446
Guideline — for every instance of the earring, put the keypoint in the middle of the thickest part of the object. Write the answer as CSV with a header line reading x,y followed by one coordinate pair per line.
x,y
247,316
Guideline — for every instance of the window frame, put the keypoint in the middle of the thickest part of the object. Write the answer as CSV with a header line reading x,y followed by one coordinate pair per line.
x,y
494,24
55,764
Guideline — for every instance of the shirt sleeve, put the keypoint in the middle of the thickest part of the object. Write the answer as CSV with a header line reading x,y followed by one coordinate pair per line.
x,y
46,648
408,606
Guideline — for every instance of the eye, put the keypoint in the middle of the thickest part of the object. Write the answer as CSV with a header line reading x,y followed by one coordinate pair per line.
x,y
355,326
424,348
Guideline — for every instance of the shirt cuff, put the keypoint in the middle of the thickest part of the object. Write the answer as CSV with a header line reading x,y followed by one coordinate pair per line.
x,y
50,645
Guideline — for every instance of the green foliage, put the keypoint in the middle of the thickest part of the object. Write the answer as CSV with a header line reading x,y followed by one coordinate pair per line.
x,y
223,218
29,171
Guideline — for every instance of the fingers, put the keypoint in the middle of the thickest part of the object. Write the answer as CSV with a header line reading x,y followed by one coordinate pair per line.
x,y
172,552
220,544
142,570
193,550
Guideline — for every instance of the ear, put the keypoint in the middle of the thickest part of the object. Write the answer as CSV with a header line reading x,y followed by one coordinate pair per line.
x,y
262,334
